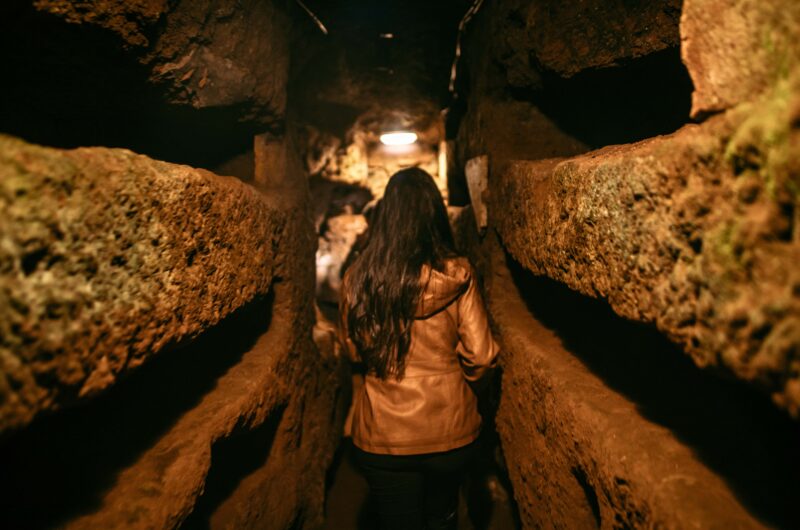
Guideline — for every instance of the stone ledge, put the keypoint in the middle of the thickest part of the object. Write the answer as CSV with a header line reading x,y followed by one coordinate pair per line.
x,y
570,38
155,451
166,482
582,453
695,232
160,488
107,258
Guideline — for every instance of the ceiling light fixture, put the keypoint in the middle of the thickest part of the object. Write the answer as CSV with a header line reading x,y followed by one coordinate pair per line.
x,y
398,138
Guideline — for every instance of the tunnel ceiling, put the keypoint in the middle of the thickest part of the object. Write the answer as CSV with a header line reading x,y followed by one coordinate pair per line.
x,y
388,61
165,69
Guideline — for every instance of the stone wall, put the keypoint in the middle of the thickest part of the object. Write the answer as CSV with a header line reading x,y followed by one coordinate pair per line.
x,y
117,256
189,82
158,363
214,53
604,425
689,237
693,231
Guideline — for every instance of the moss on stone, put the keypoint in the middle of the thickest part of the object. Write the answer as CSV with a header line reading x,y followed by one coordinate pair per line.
x,y
761,144
107,258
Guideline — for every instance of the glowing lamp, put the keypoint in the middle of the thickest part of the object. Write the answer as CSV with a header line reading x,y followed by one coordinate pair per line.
x,y
398,138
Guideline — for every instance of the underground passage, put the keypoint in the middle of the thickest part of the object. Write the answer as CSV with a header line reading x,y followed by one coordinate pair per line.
x,y
589,211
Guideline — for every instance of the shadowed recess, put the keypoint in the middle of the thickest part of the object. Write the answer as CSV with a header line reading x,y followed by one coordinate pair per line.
x,y
639,99
232,460
82,89
46,484
732,428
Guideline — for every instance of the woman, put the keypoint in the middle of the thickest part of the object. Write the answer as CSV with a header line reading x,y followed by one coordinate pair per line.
x,y
412,313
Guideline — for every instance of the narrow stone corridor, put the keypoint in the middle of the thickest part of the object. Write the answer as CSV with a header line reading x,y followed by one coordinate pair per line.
x,y
183,185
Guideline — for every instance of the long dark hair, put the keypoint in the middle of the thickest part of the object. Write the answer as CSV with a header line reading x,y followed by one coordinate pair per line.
x,y
382,289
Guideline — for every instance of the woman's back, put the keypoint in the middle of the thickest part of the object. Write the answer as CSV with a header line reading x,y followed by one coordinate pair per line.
x,y
431,407
412,312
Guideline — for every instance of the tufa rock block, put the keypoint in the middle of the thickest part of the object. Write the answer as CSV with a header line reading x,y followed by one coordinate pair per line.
x,y
567,38
695,232
108,258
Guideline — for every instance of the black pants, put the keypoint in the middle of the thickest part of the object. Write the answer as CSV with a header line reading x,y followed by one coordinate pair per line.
x,y
415,492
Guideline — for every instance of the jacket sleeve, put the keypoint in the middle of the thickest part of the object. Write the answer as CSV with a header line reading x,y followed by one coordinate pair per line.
x,y
477,349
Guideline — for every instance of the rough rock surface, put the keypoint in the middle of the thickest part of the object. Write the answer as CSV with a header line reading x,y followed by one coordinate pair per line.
x,y
484,130
282,380
736,49
586,448
213,53
604,422
332,252
352,71
235,428
696,232
567,38
109,257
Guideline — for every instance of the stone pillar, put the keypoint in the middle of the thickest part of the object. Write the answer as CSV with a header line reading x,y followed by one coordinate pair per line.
x,y
270,159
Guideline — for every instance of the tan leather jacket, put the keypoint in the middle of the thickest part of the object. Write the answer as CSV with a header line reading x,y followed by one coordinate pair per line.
x,y
431,408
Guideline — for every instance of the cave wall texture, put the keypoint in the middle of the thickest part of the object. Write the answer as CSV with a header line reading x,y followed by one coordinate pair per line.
x,y
206,54
685,230
125,260
160,365
186,82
